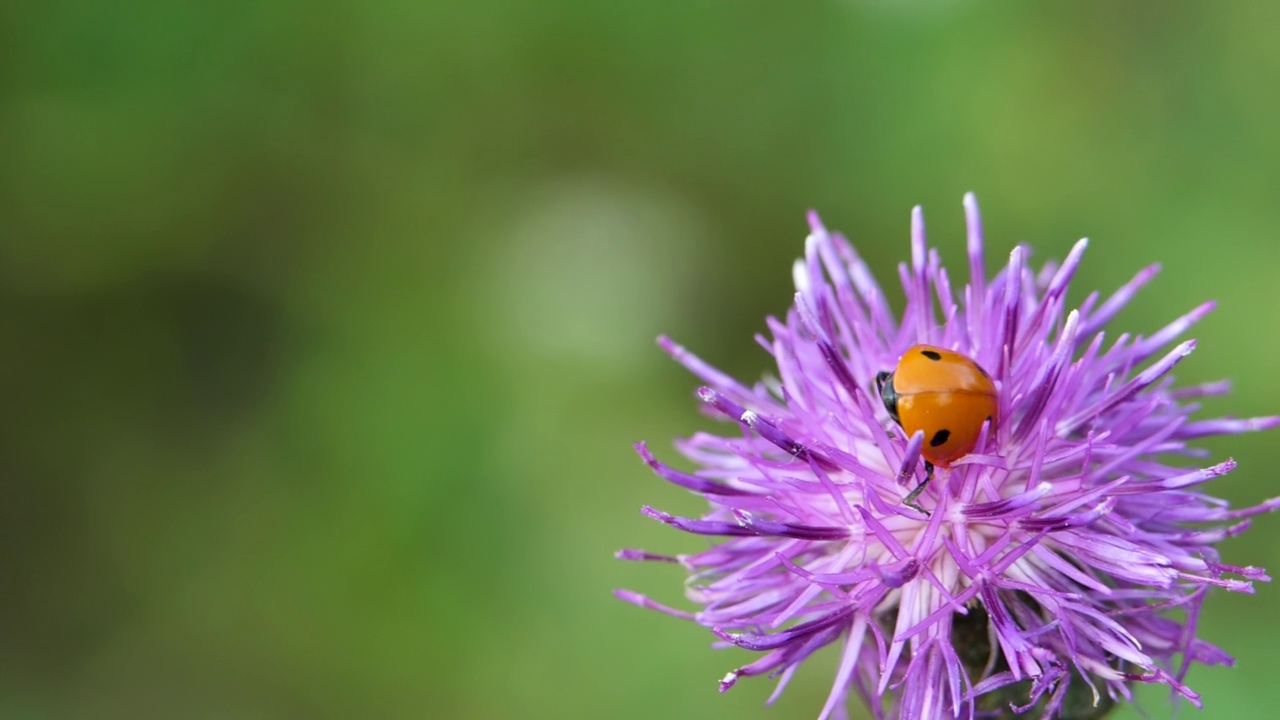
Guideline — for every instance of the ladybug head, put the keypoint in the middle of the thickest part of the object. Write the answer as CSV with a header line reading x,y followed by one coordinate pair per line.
x,y
884,386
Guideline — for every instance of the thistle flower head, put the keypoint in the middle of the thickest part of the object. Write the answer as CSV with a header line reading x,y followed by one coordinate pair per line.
x,y
1063,559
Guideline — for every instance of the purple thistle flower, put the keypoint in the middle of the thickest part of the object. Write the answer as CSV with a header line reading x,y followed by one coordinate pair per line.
x,y
1063,559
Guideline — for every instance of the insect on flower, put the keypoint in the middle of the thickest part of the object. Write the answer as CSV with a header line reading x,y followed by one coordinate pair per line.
x,y
944,395
1061,553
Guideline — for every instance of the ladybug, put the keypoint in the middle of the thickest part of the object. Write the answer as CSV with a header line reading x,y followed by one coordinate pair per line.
x,y
946,395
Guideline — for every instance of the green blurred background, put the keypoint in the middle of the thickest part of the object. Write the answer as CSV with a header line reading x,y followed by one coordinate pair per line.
x,y
327,326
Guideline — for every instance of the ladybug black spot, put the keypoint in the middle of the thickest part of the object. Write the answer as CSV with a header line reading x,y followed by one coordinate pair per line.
x,y
940,438
931,355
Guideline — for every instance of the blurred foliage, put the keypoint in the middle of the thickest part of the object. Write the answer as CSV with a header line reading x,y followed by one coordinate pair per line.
x,y
327,326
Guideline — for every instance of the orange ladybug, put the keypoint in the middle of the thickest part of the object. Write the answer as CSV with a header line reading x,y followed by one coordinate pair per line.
x,y
943,393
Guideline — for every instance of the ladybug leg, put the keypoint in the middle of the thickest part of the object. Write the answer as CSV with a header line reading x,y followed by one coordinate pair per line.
x,y
910,499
